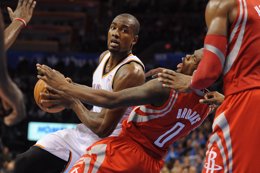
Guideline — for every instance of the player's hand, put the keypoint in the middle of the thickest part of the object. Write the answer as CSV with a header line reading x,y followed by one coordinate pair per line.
x,y
52,77
154,72
23,10
213,98
56,98
178,81
13,99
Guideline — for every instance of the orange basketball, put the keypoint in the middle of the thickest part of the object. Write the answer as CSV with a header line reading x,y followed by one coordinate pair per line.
x,y
39,87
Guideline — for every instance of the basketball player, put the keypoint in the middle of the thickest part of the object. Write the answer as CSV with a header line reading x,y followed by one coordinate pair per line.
x,y
118,69
232,50
10,95
164,117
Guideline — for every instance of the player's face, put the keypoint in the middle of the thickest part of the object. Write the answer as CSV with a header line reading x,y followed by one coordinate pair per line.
x,y
121,37
190,63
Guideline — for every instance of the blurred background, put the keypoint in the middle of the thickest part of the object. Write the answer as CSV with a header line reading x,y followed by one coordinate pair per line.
x,y
69,35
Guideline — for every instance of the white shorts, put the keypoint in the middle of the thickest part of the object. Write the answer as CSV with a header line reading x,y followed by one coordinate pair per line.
x,y
71,143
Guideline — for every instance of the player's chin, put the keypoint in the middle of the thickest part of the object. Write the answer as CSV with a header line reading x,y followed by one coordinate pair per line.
x,y
114,50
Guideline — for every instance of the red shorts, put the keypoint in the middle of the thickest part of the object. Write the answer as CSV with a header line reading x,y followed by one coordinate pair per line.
x,y
235,141
116,154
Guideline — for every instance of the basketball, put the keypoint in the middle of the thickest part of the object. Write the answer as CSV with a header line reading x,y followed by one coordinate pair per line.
x,y
39,87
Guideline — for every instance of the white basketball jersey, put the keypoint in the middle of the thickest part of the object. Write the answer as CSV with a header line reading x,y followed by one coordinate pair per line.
x,y
105,81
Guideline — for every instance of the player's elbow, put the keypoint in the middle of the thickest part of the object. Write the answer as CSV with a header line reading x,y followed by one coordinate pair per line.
x,y
103,133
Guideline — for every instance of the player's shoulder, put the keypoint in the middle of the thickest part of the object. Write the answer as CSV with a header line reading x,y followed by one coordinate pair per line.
x,y
102,55
129,75
222,4
131,69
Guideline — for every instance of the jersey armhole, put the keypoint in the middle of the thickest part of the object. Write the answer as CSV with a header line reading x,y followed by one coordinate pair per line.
x,y
122,66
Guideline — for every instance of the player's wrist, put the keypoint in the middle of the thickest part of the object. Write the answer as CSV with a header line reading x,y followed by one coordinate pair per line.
x,y
21,21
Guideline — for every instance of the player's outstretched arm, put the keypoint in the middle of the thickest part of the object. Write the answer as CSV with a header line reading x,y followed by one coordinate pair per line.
x,y
10,94
144,94
151,92
104,123
20,18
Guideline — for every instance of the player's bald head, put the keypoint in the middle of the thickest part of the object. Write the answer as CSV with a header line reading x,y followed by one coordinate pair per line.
x,y
130,19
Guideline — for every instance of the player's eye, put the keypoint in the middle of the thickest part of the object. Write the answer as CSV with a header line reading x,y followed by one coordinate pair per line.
x,y
112,27
195,59
125,30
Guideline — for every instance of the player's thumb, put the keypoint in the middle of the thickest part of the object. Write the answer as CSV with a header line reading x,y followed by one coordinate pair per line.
x,y
69,79
11,13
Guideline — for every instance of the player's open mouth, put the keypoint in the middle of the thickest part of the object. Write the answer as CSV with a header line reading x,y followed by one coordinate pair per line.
x,y
114,42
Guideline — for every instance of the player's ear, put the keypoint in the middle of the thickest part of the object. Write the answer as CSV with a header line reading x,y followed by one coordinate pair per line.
x,y
135,40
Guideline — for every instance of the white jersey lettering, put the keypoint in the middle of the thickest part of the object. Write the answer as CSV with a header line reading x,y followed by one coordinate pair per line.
x,y
211,165
257,8
187,114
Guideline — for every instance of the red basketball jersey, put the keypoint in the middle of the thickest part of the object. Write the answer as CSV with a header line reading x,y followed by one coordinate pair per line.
x,y
155,128
242,67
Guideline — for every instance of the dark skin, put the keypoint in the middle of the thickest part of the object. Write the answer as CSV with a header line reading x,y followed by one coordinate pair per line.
x,y
151,92
11,96
121,39
220,14
23,10
213,98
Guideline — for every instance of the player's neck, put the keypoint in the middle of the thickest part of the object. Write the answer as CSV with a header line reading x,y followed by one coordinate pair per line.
x,y
116,58
111,63
120,55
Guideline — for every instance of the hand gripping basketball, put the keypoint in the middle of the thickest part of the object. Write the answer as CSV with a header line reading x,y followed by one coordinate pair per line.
x,y
41,86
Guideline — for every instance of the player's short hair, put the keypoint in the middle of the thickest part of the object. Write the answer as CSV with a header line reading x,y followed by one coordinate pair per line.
x,y
136,23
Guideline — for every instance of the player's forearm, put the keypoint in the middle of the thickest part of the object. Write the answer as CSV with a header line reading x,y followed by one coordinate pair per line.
x,y
4,77
92,96
212,63
202,79
91,119
12,32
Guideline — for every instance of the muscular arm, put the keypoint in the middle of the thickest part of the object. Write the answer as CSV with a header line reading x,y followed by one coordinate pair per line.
x,y
104,123
24,10
151,92
11,33
211,65
10,94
